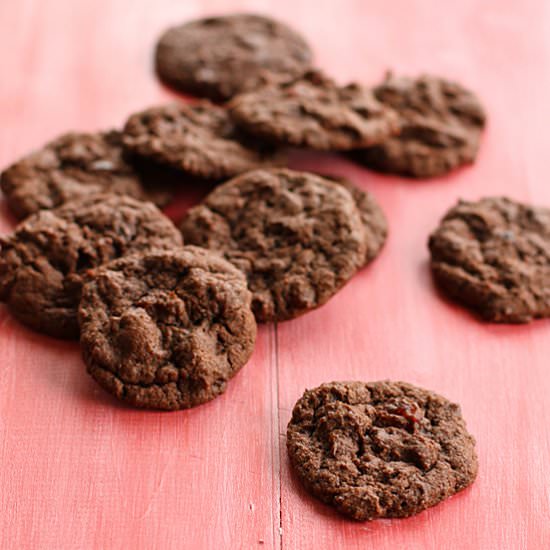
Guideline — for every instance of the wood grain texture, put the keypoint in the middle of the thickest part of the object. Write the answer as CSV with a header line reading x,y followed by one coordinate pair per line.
x,y
80,471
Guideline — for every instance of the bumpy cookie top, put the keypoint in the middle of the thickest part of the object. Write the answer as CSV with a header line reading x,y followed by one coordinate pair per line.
x,y
430,96
199,139
312,111
44,261
373,217
296,236
166,330
75,165
380,449
493,256
440,127
218,57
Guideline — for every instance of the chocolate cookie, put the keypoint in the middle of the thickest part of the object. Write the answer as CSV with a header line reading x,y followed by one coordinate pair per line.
x,y
198,139
493,256
372,216
312,111
168,329
77,165
380,449
296,236
219,57
44,262
441,125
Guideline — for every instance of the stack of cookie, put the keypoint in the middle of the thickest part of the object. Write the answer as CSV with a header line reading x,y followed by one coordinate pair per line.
x,y
421,127
161,325
166,325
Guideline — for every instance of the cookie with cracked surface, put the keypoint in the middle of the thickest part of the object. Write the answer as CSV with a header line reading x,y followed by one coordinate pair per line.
x,y
44,261
380,449
441,124
198,139
76,165
219,57
297,237
493,256
373,217
313,111
166,330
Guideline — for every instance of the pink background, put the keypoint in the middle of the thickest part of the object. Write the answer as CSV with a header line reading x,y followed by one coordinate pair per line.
x,y
80,471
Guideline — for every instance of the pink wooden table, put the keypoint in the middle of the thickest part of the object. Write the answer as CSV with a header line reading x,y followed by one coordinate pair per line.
x,y
80,471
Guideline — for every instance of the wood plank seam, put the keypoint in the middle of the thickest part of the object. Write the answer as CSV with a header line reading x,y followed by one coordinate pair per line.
x,y
276,446
279,527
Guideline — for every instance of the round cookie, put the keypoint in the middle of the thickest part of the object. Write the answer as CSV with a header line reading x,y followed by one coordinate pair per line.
x,y
312,111
75,165
493,256
441,125
166,330
219,57
44,261
296,236
380,449
198,139
373,217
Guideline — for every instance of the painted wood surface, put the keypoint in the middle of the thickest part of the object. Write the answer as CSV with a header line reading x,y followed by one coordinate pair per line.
x,y
80,471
